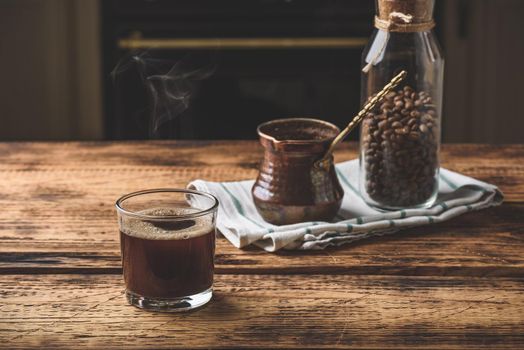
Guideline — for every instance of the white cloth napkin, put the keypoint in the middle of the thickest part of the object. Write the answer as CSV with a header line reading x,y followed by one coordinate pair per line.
x,y
240,223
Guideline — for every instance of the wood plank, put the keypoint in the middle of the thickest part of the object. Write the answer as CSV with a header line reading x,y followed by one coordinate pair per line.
x,y
318,311
488,243
181,161
58,217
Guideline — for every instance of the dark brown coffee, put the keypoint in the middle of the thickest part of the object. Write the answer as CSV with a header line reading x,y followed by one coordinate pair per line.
x,y
168,259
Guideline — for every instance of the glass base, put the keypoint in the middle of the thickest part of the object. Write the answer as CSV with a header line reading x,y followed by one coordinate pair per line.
x,y
385,208
186,303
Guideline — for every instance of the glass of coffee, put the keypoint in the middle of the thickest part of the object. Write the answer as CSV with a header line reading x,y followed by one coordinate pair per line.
x,y
167,240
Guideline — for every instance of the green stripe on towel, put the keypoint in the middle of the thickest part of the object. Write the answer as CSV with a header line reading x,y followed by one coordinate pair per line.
x,y
448,181
346,182
238,205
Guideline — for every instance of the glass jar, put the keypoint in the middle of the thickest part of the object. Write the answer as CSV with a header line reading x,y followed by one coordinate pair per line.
x,y
400,138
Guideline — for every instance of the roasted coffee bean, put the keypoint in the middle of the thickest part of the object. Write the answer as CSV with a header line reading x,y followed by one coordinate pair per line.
x,y
386,105
395,118
390,95
414,136
399,104
400,149
414,114
388,132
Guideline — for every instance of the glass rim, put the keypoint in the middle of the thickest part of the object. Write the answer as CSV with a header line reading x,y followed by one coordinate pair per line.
x,y
121,210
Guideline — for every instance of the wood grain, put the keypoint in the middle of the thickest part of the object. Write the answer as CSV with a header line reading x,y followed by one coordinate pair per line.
x,y
58,214
458,284
173,163
487,243
316,311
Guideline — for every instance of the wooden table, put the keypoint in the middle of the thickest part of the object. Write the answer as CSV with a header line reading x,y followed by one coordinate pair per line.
x,y
459,284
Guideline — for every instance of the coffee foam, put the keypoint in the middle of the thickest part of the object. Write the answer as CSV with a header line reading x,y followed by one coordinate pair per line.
x,y
153,230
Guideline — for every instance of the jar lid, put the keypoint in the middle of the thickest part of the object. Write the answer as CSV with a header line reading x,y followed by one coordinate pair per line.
x,y
405,15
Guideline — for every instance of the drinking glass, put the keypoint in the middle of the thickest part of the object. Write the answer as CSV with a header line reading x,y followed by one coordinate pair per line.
x,y
167,240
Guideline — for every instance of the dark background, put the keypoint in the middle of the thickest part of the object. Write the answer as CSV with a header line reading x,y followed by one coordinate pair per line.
x,y
57,57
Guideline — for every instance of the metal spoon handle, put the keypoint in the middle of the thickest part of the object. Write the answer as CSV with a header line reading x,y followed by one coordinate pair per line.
x,y
358,118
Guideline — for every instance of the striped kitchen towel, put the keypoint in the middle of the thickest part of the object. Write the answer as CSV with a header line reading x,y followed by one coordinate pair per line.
x,y
240,223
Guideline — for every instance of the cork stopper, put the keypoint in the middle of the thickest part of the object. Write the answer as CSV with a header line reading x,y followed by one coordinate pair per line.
x,y
420,10
405,15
